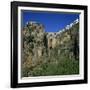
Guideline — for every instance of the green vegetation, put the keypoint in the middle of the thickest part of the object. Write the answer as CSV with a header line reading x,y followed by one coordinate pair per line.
x,y
60,66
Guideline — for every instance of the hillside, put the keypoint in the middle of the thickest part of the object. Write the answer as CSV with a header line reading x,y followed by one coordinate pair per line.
x,y
45,53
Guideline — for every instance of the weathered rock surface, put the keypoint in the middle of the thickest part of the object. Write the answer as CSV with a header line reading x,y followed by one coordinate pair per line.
x,y
38,44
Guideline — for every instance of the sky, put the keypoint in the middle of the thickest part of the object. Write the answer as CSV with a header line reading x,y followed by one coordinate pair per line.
x,y
52,21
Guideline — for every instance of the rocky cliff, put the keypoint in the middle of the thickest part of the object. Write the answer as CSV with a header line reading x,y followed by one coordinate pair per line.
x,y
41,47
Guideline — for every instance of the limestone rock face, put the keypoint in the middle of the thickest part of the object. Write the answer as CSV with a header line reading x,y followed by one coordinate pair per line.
x,y
40,46
37,42
33,37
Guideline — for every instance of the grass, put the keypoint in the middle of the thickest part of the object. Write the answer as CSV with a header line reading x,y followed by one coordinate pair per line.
x,y
54,65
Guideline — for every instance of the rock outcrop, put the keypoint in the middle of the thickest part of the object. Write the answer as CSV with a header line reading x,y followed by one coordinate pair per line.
x,y
39,45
